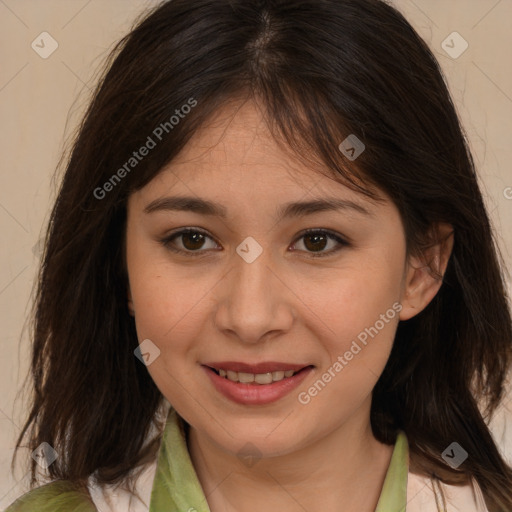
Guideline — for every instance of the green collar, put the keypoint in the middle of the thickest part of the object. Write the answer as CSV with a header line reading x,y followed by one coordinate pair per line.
x,y
393,497
176,487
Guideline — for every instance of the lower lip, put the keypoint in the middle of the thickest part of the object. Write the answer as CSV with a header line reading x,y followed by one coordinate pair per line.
x,y
256,394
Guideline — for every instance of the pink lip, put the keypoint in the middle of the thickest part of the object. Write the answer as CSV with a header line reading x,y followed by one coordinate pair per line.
x,y
266,367
257,394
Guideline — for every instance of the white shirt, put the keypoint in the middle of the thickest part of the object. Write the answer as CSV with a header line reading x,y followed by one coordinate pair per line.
x,y
421,495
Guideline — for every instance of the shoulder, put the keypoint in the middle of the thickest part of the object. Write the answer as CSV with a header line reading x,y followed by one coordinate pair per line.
x,y
114,498
58,496
427,495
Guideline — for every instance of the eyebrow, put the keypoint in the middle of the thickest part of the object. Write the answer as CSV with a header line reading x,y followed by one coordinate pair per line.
x,y
288,210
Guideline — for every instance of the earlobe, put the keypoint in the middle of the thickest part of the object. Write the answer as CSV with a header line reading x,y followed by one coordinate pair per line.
x,y
425,272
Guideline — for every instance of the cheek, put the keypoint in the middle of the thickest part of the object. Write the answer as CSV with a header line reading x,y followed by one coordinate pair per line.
x,y
361,323
169,315
167,308
353,298
165,304
359,313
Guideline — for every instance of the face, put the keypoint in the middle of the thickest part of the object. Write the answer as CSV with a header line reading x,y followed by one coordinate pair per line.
x,y
250,287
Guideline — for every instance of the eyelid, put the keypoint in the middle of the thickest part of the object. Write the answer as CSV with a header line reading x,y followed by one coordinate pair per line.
x,y
167,241
342,241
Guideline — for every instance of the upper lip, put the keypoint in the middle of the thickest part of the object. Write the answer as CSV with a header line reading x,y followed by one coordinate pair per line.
x,y
265,367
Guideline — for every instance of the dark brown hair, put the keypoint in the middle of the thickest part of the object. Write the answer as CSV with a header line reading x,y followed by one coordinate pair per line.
x,y
324,69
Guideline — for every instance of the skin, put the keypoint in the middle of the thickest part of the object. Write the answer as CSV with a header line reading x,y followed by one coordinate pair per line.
x,y
284,306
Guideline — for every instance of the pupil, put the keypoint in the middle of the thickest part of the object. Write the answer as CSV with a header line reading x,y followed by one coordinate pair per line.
x,y
315,243
197,238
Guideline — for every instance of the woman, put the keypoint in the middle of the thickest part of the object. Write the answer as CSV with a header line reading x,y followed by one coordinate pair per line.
x,y
229,145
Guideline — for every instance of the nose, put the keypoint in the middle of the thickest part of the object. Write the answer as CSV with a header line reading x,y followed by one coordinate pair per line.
x,y
254,302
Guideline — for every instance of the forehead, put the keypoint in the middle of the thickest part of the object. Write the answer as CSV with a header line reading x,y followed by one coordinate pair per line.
x,y
237,143
235,148
233,158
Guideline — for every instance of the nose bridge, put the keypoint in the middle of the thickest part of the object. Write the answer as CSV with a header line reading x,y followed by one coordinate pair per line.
x,y
253,300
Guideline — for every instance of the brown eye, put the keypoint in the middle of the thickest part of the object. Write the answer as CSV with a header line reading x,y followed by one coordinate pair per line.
x,y
316,240
192,241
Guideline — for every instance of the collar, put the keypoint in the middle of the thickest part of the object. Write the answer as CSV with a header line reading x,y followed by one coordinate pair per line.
x,y
176,487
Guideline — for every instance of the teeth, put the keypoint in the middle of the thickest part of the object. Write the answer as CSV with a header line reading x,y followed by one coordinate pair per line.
x,y
258,378
263,378
277,376
246,378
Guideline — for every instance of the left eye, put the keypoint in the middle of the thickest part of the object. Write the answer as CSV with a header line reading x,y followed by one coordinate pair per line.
x,y
192,240
317,239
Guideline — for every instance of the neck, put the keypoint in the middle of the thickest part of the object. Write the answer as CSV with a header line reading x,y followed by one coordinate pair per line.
x,y
320,476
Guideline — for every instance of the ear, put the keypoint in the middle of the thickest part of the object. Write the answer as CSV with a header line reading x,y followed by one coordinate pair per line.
x,y
425,271
131,310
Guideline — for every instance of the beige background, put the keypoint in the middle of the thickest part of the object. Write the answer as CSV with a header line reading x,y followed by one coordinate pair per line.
x,y
41,101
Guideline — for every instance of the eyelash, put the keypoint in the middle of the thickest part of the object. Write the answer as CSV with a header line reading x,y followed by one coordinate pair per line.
x,y
166,242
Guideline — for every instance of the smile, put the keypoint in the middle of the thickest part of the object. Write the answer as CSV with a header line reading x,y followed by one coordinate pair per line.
x,y
254,378
267,383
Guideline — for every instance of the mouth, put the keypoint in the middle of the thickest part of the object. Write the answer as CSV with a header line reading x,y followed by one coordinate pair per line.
x,y
256,384
260,378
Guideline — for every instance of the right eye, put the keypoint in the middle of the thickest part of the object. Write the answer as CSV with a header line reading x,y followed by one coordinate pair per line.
x,y
192,240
